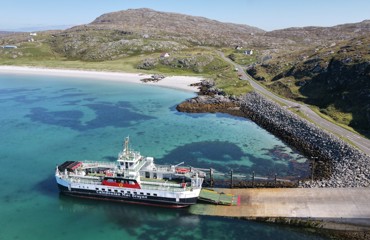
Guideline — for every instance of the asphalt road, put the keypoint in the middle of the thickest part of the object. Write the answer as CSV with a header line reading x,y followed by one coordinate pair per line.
x,y
357,140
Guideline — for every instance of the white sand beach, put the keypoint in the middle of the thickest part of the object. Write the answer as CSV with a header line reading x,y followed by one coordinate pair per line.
x,y
174,82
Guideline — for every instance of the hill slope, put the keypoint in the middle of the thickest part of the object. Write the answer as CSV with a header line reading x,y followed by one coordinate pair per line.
x,y
322,35
336,79
198,30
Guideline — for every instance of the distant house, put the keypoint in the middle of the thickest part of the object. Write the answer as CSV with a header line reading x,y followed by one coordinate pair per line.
x,y
31,39
33,34
238,48
9,47
165,55
248,52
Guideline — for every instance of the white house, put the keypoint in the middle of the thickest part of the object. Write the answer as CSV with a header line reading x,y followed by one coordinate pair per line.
x,y
33,34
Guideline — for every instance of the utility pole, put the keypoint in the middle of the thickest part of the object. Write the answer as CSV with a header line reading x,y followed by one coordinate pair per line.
x,y
275,179
231,179
253,179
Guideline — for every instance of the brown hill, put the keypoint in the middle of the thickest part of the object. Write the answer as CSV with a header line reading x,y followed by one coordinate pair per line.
x,y
322,35
197,30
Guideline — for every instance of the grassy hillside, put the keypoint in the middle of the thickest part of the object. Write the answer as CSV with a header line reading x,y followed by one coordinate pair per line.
x,y
335,78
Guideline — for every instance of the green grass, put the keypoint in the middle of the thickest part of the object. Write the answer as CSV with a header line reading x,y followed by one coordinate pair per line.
x,y
326,117
340,117
126,65
230,83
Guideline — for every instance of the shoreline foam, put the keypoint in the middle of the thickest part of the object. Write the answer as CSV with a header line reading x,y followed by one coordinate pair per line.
x,y
173,82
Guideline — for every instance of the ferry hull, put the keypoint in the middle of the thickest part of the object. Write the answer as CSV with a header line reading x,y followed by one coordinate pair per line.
x,y
132,199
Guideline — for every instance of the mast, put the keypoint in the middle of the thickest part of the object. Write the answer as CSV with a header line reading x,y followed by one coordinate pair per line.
x,y
127,140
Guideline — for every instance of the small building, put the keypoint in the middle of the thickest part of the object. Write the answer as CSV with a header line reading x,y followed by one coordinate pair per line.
x,y
248,52
31,39
9,47
238,48
165,55
33,34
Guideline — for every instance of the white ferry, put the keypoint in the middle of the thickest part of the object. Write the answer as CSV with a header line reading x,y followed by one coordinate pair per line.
x,y
132,179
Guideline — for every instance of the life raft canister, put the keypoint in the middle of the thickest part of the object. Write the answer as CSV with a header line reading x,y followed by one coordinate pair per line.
x,y
182,170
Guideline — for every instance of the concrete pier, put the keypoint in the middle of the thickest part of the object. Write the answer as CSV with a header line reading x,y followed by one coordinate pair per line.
x,y
315,203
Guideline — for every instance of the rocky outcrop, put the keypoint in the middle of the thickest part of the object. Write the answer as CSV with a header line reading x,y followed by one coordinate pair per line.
x,y
153,78
207,104
211,100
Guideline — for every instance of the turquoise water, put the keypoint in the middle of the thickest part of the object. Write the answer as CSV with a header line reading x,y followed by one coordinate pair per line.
x,y
47,120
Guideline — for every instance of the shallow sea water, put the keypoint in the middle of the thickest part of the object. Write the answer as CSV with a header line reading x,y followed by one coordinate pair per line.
x,y
45,121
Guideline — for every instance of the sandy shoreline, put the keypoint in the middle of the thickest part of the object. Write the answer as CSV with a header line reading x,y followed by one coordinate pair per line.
x,y
174,82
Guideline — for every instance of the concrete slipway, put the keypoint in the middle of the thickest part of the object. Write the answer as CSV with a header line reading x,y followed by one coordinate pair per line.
x,y
350,205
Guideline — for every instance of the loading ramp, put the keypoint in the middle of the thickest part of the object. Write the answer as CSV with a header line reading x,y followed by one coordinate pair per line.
x,y
214,197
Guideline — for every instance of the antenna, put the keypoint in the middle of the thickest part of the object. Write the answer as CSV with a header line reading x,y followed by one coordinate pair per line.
x,y
127,140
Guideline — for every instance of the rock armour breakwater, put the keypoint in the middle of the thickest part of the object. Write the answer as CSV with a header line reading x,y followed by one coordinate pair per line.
x,y
336,163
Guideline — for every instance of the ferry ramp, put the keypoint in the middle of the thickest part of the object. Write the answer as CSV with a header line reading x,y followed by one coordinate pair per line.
x,y
218,198
335,203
